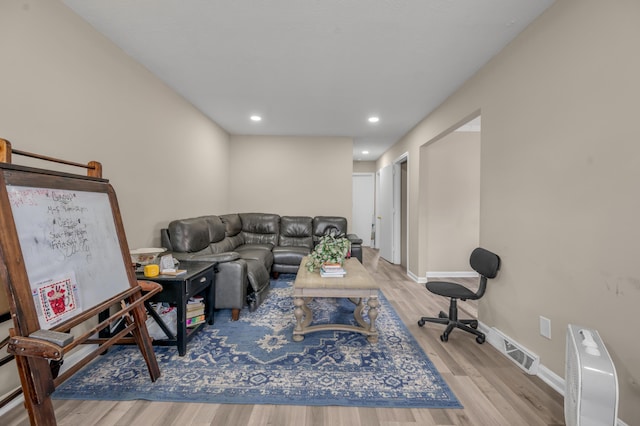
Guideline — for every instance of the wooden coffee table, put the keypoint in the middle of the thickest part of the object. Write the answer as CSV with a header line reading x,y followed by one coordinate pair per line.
x,y
356,286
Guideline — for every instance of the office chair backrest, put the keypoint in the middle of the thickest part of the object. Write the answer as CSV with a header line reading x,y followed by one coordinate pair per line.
x,y
485,263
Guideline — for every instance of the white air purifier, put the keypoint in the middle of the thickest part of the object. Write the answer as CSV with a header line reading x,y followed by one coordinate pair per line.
x,y
591,383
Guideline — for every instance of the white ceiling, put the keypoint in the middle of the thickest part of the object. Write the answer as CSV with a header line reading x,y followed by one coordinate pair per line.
x,y
313,67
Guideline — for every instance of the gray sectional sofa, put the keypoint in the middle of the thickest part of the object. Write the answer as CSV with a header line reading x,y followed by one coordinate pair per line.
x,y
249,247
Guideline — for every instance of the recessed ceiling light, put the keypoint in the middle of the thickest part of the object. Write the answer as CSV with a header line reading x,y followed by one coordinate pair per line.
x,y
374,119
256,118
365,152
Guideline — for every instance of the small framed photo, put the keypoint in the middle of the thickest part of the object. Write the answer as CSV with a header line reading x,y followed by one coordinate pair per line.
x,y
166,262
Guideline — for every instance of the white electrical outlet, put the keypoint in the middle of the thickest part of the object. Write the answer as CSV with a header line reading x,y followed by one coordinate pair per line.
x,y
545,327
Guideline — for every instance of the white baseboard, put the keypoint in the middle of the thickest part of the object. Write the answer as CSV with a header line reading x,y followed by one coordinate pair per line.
x,y
414,277
495,338
451,274
69,361
436,274
551,378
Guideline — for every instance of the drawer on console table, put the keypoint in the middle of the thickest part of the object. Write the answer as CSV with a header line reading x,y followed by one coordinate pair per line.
x,y
199,282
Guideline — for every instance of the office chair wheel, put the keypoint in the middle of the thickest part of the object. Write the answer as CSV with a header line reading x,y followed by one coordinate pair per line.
x,y
474,324
442,314
480,340
444,337
421,323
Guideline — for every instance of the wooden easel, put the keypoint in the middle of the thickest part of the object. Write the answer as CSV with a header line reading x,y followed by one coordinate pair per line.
x,y
37,359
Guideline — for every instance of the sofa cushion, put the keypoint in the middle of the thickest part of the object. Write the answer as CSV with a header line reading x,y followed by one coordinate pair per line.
x,y
228,244
232,223
291,255
216,228
296,231
324,225
260,228
189,235
257,252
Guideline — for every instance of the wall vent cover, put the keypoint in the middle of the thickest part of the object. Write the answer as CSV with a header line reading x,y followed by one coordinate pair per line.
x,y
523,357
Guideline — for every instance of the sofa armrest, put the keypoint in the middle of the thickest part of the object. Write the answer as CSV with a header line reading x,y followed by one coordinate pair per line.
x,y
228,256
231,277
356,246
354,239
231,285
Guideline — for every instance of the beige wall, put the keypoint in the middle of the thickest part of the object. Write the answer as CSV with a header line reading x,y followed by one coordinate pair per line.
x,y
67,92
559,181
452,193
308,176
364,167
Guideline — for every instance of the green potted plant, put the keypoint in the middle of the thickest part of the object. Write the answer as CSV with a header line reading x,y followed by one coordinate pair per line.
x,y
330,249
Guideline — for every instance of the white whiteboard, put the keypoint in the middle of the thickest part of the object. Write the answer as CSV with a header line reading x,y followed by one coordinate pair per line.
x,y
70,249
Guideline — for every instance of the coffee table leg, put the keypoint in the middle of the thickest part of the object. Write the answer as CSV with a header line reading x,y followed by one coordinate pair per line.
x,y
298,331
355,300
357,313
373,314
308,316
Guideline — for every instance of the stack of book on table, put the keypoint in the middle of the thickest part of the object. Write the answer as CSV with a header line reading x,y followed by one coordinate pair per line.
x,y
334,270
195,311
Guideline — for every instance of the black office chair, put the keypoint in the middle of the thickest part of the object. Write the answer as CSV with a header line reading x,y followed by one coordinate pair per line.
x,y
487,265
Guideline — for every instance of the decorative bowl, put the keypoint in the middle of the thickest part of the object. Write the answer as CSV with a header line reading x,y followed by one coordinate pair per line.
x,y
145,256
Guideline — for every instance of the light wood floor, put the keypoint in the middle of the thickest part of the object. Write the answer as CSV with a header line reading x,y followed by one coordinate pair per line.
x,y
492,389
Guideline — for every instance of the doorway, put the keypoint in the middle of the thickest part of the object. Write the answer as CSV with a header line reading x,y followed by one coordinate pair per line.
x,y
404,214
450,190
390,214
362,211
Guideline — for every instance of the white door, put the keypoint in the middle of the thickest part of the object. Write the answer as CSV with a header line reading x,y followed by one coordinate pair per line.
x,y
384,212
362,214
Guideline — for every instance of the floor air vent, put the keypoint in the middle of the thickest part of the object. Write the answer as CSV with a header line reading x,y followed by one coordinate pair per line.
x,y
524,358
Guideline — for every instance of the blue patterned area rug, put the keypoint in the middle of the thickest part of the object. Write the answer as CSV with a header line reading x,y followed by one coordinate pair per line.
x,y
255,361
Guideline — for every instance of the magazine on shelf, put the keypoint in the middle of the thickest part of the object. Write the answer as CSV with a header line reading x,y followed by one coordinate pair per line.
x,y
195,300
195,307
195,320
195,312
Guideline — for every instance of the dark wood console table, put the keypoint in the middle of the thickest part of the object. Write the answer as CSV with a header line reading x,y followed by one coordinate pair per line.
x,y
199,279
